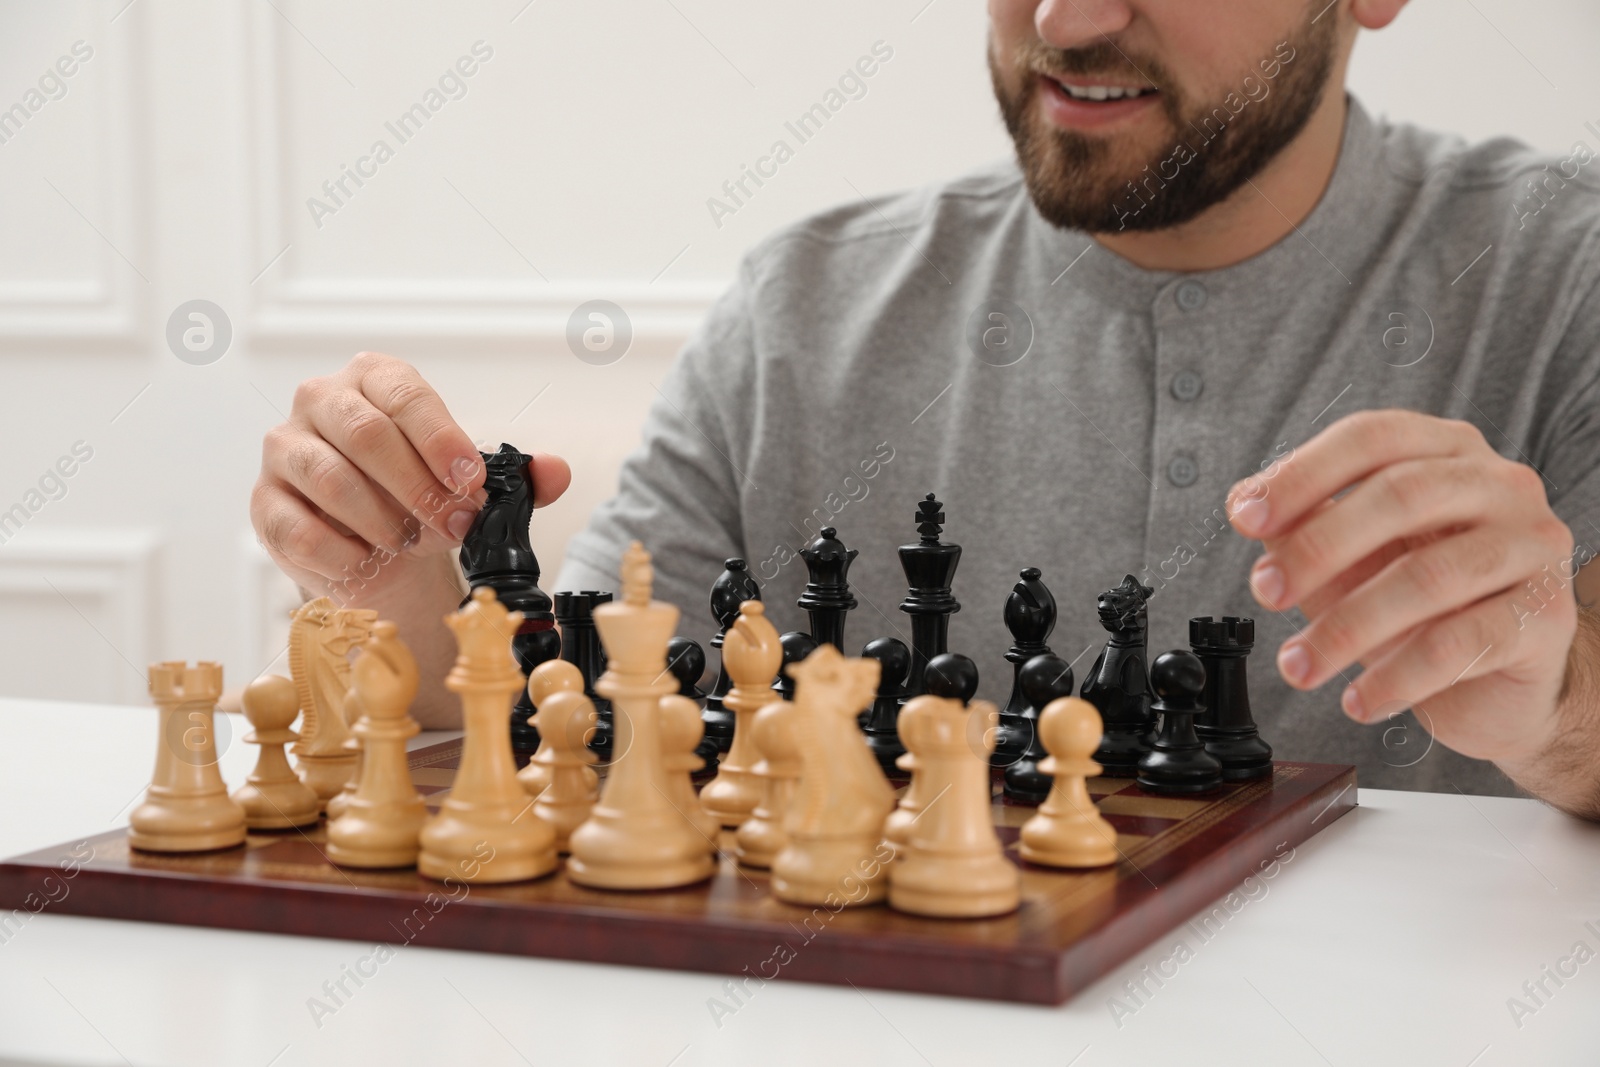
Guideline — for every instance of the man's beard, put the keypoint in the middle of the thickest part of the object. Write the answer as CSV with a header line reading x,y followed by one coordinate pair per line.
x,y
1079,182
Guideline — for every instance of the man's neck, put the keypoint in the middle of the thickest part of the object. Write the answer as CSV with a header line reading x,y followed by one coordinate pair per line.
x,y
1258,215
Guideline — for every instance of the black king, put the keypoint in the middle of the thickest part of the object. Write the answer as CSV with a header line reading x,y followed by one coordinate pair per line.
x,y
930,567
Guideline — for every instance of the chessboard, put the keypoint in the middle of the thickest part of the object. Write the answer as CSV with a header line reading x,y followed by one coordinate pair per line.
x,y
1178,857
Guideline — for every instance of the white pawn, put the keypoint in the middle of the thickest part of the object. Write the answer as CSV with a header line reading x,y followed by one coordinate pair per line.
x,y
681,731
565,722
897,827
551,676
1068,831
274,797
952,865
761,837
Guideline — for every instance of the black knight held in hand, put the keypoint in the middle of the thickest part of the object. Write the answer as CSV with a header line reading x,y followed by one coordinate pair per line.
x,y
496,553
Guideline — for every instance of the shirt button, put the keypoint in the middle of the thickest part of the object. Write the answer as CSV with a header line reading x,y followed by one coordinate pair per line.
x,y
1186,384
1191,296
1183,471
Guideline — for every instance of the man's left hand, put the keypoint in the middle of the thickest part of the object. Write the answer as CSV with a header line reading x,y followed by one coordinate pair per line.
x,y
1417,551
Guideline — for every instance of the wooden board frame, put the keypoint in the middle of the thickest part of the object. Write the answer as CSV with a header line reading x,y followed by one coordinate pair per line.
x,y
1073,927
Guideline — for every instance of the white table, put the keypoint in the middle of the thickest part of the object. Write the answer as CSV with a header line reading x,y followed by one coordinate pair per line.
x,y
1396,935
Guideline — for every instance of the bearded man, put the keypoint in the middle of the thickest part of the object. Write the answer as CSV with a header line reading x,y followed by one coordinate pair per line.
x,y
1216,327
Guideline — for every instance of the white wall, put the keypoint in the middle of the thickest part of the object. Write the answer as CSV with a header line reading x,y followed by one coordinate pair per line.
x,y
577,166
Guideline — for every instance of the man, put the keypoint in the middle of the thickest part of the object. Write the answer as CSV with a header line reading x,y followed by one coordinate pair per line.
x,y
1211,292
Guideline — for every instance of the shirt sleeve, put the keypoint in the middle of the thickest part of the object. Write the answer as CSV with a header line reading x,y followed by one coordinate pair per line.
x,y
680,491
1570,460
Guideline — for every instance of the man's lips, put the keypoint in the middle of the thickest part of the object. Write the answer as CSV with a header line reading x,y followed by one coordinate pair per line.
x,y
1065,104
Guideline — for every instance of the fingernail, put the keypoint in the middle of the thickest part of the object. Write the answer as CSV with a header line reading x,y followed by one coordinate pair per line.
x,y
462,471
1250,516
1267,582
459,523
1350,700
1294,662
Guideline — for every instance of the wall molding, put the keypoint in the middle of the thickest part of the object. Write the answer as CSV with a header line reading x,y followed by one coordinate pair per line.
x,y
104,309
107,576
298,308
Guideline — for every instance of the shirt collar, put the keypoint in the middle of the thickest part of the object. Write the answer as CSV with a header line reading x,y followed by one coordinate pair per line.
x,y
1328,245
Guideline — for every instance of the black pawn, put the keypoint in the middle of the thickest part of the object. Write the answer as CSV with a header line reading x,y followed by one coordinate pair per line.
x,y
581,647
881,721
732,588
796,645
1178,762
1030,616
826,597
1043,678
1226,726
686,661
930,568
496,553
1117,684
950,674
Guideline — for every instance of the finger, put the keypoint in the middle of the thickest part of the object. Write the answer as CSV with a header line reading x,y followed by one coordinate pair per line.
x,y
397,390
292,533
1266,505
1403,499
1420,585
373,443
329,481
1452,650
551,477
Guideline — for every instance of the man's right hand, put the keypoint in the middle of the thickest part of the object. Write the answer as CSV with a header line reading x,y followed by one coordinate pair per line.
x,y
371,483
364,495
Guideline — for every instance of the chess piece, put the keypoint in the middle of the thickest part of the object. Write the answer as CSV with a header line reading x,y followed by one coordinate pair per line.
x,y
879,721
1043,679
954,679
352,744
751,656
635,838
496,554
732,588
681,733
551,676
321,636
686,661
930,567
381,824
1030,615
1226,726
827,598
1178,763
1067,830
796,646
565,718
952,864
479,834
762,836
1117,685
580,646
187,807
836,815
274,797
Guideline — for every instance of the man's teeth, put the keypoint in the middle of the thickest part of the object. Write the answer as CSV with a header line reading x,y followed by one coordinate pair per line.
x,y
1104,92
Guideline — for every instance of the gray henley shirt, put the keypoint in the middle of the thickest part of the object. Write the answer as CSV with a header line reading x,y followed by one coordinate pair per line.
x,y
1076,413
